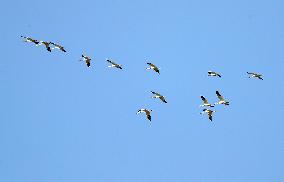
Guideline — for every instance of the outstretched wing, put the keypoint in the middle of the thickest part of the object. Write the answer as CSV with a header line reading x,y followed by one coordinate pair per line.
x,y
210,117
156,93
220,97
204,100
110,62
149,117
163,99
156,69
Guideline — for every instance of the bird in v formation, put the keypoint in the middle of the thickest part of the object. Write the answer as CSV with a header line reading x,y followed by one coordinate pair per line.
x,y
51,46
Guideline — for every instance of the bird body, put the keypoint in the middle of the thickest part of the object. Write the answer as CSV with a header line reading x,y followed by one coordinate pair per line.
x,y
147,112
213,73
57,46
113,64
255,75
153,67
209,112
87,60
28,39
221,99
205,102
157,95
47,45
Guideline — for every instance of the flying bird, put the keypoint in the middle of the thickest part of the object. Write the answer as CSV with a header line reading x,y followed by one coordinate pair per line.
x,y
57,46
205,102
153,67
86,59
28,39
221,99
147,112
213,73
47,45
255,75
157,95
208,112
113,64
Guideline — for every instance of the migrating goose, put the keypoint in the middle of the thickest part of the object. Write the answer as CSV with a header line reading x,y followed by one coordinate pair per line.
x,y
113,64
205,102
221,99
213,73
146,111
28,39
47,45
209,113
57,46
154,67
86,59
157,95
255,75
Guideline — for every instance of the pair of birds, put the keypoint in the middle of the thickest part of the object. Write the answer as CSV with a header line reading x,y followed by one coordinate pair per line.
x,y
251,74
47,44
88,62
156,95
210,112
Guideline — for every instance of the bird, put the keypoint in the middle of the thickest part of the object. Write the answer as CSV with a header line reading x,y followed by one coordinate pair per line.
x,y
213,73
28,39
154,67
47,45
255,75
57,46
86,59
205,102
157,95
113,64
209,113
147,112
221,99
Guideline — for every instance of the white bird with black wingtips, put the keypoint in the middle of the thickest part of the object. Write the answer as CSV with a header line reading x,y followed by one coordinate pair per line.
x,y
86,59
255,75
114,65
147,112
221,99
205,102
153,67
29,39
57,46
157,95
213,73
209,112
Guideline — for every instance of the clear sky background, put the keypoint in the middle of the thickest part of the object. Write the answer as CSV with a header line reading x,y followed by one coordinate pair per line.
x,y
64,122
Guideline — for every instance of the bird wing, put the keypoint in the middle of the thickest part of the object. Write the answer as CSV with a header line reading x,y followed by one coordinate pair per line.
x,y
111,62
88,62
149,117
210,117
163,99
156,93
250,73
204,100
220,97
156,69
150,64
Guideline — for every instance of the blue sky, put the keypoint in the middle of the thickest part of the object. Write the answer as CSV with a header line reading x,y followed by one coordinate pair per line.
x,y
62,121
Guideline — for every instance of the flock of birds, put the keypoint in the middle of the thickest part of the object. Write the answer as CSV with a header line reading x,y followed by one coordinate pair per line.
x,y
51,46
